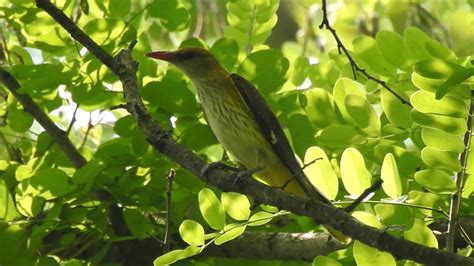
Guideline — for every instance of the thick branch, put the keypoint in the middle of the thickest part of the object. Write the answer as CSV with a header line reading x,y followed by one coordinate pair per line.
x,y
57,135
320,212
280,246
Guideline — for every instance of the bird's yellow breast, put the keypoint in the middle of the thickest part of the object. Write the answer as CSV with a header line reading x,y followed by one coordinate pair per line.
x,y
236,129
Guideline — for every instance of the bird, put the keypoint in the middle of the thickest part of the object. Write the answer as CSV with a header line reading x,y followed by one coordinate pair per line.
x,y
243,123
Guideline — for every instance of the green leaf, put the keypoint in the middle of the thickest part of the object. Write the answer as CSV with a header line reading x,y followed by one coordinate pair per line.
x,y
436,68
363,114
355,176
391,178
124,126
393,49
51,183
29,206
198,136
211,209
173,16
456,78
325,261
299,70
436,181
436,139
433,85
339,136
231,231
320,172
226,52
367,218
461,39
119,8
236,205
192,233
397,112
441,159
139,225
95,97
393,214
425,102
171,94
468,186
366,255
7,206
266,69
250,23
456,126
342,88
416,40
105,30
319,107
421,234
366,49
426,199
260,218
18,120
176,255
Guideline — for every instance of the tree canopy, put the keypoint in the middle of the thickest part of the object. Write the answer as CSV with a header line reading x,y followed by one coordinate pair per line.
x,y
102,149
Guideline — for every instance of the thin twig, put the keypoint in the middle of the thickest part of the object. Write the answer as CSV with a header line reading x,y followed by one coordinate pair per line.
x,y
364,195
422,11
459,179
355,67
439,210
73,120
169,187
90,126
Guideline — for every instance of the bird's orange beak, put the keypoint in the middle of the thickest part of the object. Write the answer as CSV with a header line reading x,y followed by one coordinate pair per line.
x,y
161,55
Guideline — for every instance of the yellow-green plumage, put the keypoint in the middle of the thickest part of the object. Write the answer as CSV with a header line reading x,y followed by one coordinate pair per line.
x,y
243,123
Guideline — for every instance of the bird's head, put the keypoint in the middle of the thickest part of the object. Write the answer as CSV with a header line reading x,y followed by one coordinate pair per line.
x,y
195,62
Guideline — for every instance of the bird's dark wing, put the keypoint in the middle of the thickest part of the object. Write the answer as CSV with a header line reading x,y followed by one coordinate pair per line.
x,y
273,133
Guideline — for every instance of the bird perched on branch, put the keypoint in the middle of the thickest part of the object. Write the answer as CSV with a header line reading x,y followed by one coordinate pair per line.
x,y
243,123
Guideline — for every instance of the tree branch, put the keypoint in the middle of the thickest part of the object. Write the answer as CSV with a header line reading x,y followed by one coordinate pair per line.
x,y
57,135
281,246
459,179
320,212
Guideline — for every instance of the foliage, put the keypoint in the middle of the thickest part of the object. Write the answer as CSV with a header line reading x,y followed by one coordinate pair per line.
x,y
349,132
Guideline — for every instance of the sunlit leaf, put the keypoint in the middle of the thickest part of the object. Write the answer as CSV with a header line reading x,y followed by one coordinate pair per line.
x,y
421,234
211,209
176,255
192,233
391,178
320,172
231,231
236,205
355,176
436,180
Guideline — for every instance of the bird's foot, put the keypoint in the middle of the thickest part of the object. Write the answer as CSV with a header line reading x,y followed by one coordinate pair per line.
x,y
219,165
242,174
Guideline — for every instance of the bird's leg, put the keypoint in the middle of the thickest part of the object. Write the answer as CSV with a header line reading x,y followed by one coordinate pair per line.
x,y
240,175
283,187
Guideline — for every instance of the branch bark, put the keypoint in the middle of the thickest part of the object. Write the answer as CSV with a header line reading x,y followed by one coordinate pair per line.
x,y
125,68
